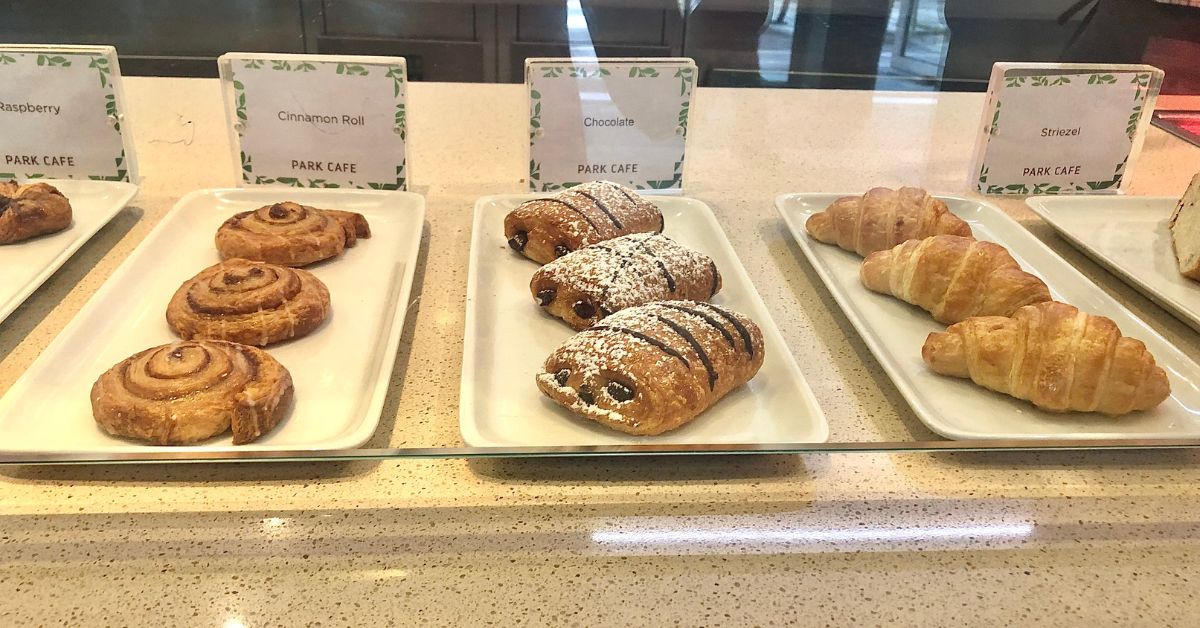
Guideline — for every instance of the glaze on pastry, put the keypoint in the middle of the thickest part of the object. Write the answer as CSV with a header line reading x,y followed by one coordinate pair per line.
x,y
594,282
652,368
190,391
287,234
31,210
1054,356
953,278
883,218
545,229
249,303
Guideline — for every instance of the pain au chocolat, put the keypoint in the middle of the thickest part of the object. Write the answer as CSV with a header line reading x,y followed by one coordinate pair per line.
x,y
596,281
545,229
190,391
27,211
653,368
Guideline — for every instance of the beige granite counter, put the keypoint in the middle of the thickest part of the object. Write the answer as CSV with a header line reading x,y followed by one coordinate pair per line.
x,y
838,539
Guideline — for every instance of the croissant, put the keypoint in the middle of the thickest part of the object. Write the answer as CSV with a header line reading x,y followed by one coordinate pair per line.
x,y
953,278
1052,354
883,218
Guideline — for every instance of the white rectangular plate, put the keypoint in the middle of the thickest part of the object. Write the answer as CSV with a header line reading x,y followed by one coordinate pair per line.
x,y
508,338
26,265
957,408
1129,236
341,371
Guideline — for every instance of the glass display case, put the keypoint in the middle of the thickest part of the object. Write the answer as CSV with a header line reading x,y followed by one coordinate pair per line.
x,y
782,374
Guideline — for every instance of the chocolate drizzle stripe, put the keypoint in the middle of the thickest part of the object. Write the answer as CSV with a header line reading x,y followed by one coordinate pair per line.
x,y
625,193
625,259
666,273
745,333
644,338
716,277
708,319
604,208
574,209
691,340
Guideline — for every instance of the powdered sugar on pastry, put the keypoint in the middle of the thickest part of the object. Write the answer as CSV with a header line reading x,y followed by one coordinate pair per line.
x,y
584,287
652,368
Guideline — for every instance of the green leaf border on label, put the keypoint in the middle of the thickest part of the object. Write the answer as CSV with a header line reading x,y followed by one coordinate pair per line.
x,y
400,120
1141,79
98,61
686,76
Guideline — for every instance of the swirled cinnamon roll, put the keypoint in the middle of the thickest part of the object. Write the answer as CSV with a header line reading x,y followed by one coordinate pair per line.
x,y
288,234
31,210
190,391
248,302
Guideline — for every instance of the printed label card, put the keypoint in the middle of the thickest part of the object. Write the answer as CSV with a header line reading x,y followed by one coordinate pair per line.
x,y
1062,128
317,121
620,120
62,113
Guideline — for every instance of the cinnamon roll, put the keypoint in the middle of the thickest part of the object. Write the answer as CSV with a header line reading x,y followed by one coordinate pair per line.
x,y
288,234
248,302
31,210
189,391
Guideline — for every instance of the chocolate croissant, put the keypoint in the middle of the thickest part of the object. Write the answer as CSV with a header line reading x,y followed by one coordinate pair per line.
x,y
248,302
545,229
652,368
883,218
1053,355
31,210
190,391
594,282
289,234
953,278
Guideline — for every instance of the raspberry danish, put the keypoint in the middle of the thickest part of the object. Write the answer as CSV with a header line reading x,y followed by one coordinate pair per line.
x,y
248,302
190,391
31,210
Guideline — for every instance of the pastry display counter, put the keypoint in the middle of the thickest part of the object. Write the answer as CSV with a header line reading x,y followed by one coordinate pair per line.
x,y
839,538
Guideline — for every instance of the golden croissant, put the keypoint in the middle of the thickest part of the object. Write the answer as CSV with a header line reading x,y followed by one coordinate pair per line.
x,y
1052,354
883,218
953,278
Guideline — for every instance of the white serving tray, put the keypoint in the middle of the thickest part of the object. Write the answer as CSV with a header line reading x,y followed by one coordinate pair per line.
x,y
957,408
1129,236
26,265
341,371
508,338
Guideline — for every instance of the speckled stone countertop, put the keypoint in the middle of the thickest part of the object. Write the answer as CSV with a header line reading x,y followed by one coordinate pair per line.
x,y
1097,538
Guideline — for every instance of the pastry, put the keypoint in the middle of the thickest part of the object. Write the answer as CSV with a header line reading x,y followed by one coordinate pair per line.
x,y
31,210
354,225
248,302
594,282
1053,355
883,218
953,278
190,391
652,368
548,228
1185,231
288,234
